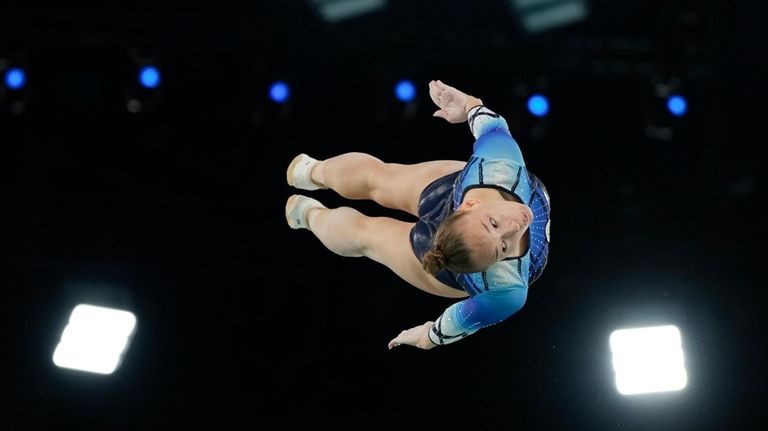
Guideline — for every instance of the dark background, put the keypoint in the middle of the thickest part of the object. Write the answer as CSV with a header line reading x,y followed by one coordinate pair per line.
x,y
177,213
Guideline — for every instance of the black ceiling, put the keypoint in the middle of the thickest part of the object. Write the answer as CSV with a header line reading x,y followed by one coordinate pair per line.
x,y
177,212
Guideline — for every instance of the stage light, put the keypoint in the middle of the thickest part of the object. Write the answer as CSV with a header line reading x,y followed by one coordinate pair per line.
x,y
538,105
648,359
538,16
280,92
14,94
149,77
15,78
405,91
95,339
666,110
334,11
144,91
677,105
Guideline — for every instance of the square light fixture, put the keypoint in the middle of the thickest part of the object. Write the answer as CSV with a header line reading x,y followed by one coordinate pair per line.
x,y
95,339
648,359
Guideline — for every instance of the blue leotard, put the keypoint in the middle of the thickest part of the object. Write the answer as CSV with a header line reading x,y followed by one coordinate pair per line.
x,y
501,290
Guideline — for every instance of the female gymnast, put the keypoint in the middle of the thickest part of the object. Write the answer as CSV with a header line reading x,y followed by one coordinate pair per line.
x,y
481,229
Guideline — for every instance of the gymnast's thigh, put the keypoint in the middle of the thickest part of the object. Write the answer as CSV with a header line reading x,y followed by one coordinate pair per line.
x,y
387,241
399,186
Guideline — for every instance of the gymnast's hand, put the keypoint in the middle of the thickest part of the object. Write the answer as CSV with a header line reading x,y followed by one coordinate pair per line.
x,y
416,337
452,102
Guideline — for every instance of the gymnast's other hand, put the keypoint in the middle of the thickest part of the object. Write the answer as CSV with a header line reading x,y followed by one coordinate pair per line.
x,y
416,337
452,102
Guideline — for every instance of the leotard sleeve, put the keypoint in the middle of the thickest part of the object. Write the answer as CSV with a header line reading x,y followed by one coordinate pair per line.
x,y
466,317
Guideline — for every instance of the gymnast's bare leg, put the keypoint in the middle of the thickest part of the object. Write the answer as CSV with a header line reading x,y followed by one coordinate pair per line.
x,y
391,185
348,232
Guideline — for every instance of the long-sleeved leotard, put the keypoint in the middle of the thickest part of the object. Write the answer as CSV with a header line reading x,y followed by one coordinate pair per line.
x,y
501,290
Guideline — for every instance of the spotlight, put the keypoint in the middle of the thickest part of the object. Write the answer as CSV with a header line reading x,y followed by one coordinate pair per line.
x,y
14,94
677,105
149,77
279,92
538,105
95,339
648,359
144,91
15,78
405,91
334,11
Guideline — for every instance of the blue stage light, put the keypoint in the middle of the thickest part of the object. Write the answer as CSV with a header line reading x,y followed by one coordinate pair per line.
x,y
279,92
15,78
405,91
149,77
677,105
538,105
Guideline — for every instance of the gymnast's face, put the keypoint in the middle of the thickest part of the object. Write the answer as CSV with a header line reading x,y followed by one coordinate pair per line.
x,y
493,229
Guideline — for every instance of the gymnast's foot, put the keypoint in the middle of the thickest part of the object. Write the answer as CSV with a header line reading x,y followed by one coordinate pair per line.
x,y
296,209
299,173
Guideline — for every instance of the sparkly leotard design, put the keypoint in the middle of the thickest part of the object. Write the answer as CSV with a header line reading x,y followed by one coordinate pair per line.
x,y
501,290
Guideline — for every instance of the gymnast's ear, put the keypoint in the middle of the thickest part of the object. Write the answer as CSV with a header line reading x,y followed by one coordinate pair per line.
x,y
467,204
